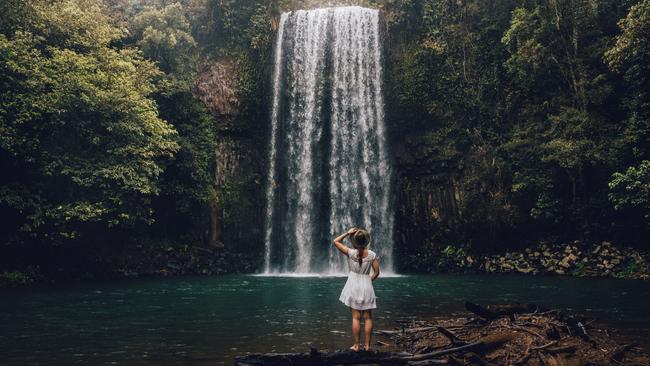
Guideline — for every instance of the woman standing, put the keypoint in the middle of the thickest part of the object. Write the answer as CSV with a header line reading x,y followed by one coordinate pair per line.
x,y
358,293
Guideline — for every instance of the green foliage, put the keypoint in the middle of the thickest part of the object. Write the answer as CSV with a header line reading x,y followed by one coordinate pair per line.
x,y
14,278
100,122
630,56
453,252
79,128
579,269
188,180
534,115
411,88
630,190
632,268
223,25
561,133
164,36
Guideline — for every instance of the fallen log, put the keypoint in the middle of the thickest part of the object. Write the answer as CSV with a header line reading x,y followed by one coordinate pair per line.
x,y
429,362
322,358
529,331
405,330
383,358
547,345
564,349
449,334
484,344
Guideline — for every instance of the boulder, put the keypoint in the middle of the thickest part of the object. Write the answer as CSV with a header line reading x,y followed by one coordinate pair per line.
x,y
524,270
565,263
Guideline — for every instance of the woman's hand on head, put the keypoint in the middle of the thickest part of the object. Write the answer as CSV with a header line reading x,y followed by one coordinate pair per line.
x,y
352,231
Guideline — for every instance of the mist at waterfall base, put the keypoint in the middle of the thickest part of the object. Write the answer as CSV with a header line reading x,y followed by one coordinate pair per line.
x,y
329,168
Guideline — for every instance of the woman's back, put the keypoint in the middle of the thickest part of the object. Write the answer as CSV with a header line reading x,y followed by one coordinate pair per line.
x,y
366,262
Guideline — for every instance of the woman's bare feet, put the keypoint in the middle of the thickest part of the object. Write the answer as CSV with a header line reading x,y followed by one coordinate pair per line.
x,y
355,347
366,348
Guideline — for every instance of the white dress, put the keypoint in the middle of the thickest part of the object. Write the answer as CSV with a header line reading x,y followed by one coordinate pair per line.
x,y
358,292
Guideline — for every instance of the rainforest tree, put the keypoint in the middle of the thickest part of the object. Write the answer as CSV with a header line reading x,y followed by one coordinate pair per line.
x,y
82,141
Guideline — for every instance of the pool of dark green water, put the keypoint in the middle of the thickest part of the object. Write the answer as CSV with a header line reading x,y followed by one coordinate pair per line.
x,y
209,320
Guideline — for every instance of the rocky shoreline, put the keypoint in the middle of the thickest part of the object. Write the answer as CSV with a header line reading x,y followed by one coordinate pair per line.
x,y
575,259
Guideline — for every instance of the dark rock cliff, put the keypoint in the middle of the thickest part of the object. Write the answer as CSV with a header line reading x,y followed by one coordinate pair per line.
x,y
236,212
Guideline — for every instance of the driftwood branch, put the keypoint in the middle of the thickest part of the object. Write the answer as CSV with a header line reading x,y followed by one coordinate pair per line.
x,y
449,334
405,330
484,344
517,327
563,349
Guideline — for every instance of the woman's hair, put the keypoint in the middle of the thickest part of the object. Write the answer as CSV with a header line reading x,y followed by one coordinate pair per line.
x,y
361,239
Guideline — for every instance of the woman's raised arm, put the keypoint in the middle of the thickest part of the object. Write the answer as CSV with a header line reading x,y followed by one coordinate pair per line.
x,y
338,241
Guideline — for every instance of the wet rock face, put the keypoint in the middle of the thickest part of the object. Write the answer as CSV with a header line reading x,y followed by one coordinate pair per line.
x,y
236,221
237,215
425,210
426,195
217,86
445,197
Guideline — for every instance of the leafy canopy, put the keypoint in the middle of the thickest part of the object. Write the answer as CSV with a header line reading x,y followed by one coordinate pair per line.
x,y
77,121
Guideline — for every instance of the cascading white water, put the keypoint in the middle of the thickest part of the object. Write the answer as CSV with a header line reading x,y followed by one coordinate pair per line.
x,y
329,169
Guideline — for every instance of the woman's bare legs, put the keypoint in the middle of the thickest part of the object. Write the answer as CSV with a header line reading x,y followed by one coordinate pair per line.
x,y
356,328
367,317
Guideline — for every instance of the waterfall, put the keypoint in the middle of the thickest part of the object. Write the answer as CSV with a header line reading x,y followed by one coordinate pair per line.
x,y
329,168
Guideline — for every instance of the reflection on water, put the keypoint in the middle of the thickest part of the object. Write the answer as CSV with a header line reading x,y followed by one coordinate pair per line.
x,y
208,320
